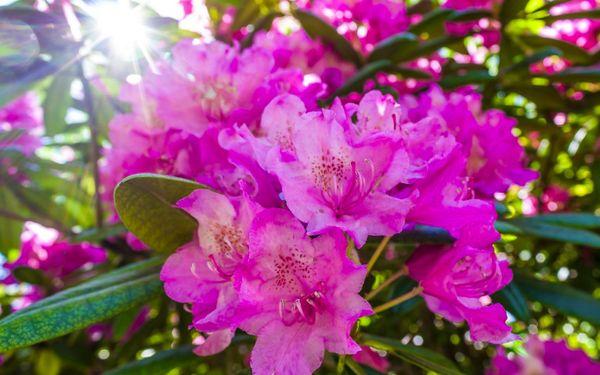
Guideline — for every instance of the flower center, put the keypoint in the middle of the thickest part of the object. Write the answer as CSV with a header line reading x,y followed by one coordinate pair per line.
x,y
304,308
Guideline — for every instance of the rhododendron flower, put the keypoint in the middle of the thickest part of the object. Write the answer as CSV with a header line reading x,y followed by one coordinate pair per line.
x,y
457,282
21,124
494,156
582,31
43,249
337,182
303,294
200,273
544,357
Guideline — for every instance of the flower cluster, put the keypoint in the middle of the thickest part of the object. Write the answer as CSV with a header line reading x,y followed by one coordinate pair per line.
x,y
271,258
43,249
544,357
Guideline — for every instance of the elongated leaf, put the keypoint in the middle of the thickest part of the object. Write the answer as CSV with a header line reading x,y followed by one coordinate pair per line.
x,y
57,102
513,300
471,77
533,58
569,219
419,356
122,275
593,14
551,232
317,28
574,75
424,234
542,96
511,9
159,363
355,83
430,46
145,205
394,47
57,319
432,23
30,275
570,51
562,297
469,15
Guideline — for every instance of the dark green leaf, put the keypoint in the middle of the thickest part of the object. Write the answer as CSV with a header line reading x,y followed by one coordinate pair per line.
x,y
551,232
588,14
34,325
538,56
394,47
418,356
57,102
469,78
160,363
570,51
562,297
574,75
543,96
317,28
430,46
145,204
122,275
469,15
569,219
30,275
514,301
97,235
355,83
424,234
432,23
511,9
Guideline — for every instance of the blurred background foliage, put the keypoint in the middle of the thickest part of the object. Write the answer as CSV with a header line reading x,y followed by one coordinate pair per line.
x,y
78,78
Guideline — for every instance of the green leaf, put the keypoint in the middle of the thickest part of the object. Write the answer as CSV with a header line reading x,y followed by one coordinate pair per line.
x,y
28,327
10,228
513,300
97,235
125,274
424,234
469,15
543,96
574,75
549,231
430,46
355,83
569,219
588,14
394,47
145,204
511,9
432,23
317,28
418,356
535,57
47,363
562,297
30,275
354,366
57,102
160,363
550,4
468,78
570,51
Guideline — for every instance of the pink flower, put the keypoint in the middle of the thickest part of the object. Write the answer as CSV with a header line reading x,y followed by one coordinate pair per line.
x,y
303,294
495,159
337,182
555,198
21,124
43,249
201,272
457,282
544,357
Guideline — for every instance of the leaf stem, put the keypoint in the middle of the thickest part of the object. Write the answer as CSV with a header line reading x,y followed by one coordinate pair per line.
x,y
396,301
378,252
386,283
